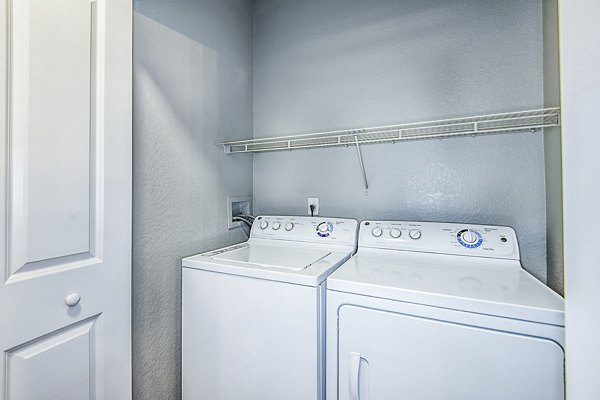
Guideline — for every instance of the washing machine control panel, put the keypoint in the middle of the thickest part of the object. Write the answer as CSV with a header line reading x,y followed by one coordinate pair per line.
x,y
306,229
443,238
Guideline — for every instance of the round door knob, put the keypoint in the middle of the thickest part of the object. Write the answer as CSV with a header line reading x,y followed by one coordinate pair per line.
x,y
415,234
377,231
469,237
276,226
73,299
264,224
395,233
289,226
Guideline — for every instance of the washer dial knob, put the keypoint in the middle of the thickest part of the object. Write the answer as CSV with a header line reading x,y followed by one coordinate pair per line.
x,y
324,229
276,226
395,233
414,234
264,225
289,226
377,231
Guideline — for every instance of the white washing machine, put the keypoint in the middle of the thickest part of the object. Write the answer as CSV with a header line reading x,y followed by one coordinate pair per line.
x,y
435,311
253,313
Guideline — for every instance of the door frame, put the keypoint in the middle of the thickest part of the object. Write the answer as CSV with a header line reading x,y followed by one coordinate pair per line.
x,y
579,34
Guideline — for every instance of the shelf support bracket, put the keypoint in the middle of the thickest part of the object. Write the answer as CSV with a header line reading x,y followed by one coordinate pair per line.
x,y
362,164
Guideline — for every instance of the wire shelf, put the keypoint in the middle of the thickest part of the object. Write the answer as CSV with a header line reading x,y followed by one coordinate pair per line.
x,y
532,120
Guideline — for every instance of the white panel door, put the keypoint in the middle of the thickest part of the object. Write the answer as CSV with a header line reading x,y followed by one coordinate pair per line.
x,y
388,356
65,192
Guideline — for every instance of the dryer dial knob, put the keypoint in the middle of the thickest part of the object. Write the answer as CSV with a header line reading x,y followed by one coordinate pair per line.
x,y
323,227
395,233
276,226
264,225
414,234
289,226
377,231
469,237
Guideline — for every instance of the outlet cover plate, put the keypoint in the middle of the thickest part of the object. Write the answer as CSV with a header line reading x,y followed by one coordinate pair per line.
x,y
236,205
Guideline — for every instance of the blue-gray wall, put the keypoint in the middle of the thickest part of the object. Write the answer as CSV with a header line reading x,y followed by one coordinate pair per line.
x,y
192,89
321,65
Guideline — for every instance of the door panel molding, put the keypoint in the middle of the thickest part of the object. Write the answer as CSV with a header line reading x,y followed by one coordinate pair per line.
x,y
76,346
22,261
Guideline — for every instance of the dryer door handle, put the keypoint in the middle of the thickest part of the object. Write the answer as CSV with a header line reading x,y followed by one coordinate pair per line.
x,y
354,361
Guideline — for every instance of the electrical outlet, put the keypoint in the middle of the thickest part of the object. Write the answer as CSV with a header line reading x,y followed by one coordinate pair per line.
x,y
313,201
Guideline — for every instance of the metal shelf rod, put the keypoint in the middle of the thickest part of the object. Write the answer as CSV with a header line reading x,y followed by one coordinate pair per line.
x,y
362,164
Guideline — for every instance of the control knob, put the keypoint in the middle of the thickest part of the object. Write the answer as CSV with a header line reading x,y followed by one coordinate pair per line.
x,y
469,237
395,233
377,231
276,226
264,225
414,234
324,229
289,226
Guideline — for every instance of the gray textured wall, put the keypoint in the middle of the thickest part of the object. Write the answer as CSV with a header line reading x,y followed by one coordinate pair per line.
x,y
192,88
351,63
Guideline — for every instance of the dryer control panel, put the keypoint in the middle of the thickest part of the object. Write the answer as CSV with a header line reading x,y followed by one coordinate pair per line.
x,y
306,229
442,238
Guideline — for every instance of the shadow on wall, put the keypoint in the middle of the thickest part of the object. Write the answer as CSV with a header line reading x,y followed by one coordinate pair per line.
x,y
187,96
345,64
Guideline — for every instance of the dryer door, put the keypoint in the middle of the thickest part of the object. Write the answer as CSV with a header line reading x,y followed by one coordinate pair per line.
x,y
390,356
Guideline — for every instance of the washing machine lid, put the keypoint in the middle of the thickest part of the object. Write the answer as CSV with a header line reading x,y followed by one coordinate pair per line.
x,y
490,286
285,261
264,255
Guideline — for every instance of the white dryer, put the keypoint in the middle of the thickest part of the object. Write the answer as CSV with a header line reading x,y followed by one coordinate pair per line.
x,y
436,311
253,313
